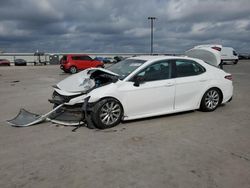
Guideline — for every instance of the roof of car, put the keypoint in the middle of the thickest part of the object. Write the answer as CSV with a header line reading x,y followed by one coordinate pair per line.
x,y
76,55
156,57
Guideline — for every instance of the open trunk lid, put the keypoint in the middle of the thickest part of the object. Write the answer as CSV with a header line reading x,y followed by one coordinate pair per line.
x,y
207,54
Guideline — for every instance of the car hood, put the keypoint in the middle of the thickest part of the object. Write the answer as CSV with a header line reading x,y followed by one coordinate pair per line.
x,y
206,54
82,81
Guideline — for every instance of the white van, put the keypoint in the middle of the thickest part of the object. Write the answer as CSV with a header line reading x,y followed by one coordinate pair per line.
x,y
228,54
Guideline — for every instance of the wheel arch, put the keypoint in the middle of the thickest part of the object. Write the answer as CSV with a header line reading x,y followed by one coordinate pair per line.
x,y
212,87
73,66
95,110
110,97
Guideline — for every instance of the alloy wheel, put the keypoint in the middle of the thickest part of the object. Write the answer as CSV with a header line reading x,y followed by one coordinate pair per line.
x,y
73,70
110,112
212,99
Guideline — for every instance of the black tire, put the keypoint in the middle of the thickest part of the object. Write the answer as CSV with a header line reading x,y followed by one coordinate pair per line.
x,y
22,64
221,65
210,100
107,113
73,70
235,62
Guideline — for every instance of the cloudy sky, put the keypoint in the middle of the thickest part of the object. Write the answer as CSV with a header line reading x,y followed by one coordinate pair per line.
x,y
122,25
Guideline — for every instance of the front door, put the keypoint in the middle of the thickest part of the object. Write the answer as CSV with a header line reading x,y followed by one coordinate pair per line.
x,y
153,96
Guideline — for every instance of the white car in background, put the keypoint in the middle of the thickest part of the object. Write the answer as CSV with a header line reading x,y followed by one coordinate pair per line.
x,y
145,86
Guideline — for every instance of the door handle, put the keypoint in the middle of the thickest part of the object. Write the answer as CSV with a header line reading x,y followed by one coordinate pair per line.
x,y
203,80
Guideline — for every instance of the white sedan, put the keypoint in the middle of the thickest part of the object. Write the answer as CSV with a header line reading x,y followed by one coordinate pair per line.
x,y
144,86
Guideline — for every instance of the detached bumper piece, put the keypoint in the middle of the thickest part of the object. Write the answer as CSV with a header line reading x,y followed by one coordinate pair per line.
x,y
25,119
62,114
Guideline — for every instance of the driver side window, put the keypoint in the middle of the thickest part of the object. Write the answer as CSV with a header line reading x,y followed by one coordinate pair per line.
x,y
157,71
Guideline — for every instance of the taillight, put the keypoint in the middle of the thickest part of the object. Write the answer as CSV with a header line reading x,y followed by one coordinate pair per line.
x,y
229,77
216,48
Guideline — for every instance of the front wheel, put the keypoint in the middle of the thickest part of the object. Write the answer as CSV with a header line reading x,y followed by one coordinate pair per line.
x,y
210,100
107,113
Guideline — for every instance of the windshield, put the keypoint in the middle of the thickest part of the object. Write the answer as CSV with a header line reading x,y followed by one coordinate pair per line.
x,y
125,67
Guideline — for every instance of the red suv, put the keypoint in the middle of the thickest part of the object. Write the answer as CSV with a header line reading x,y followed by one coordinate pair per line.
x,y
4,62
73,63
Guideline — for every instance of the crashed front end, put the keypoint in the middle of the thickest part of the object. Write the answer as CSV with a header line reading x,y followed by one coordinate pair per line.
x,y
70,100
74,112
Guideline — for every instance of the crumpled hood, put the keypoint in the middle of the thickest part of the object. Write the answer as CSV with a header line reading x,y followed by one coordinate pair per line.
x,y
80,82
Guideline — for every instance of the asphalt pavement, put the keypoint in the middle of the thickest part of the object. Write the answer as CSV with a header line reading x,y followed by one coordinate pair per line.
x,y
192,149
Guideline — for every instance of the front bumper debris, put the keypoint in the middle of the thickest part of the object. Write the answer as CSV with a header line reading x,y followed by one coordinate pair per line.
x,y
26,118
62,114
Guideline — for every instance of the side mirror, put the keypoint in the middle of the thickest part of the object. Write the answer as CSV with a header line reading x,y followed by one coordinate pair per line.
x,y
138,80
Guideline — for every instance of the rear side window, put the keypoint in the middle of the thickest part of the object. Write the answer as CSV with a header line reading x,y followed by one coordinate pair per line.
x,y
81,57
76,57
85,57
188,68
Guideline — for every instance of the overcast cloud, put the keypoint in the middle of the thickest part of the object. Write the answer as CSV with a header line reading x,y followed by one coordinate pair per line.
x,y
122,26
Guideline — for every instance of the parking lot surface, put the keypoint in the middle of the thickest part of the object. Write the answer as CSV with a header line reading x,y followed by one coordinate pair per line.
x,y
192,149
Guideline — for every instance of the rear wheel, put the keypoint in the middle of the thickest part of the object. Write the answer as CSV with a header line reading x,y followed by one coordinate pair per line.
x,y
210,100
107,113
235,62
73,70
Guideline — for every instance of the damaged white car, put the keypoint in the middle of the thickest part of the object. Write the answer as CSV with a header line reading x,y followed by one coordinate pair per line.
x,y
137,87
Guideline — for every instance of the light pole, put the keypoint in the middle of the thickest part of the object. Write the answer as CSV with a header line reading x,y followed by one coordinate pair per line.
x,y
152,37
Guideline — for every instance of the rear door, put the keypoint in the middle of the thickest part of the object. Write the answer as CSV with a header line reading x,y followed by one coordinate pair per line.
x,y
76,61
86,62
190,83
